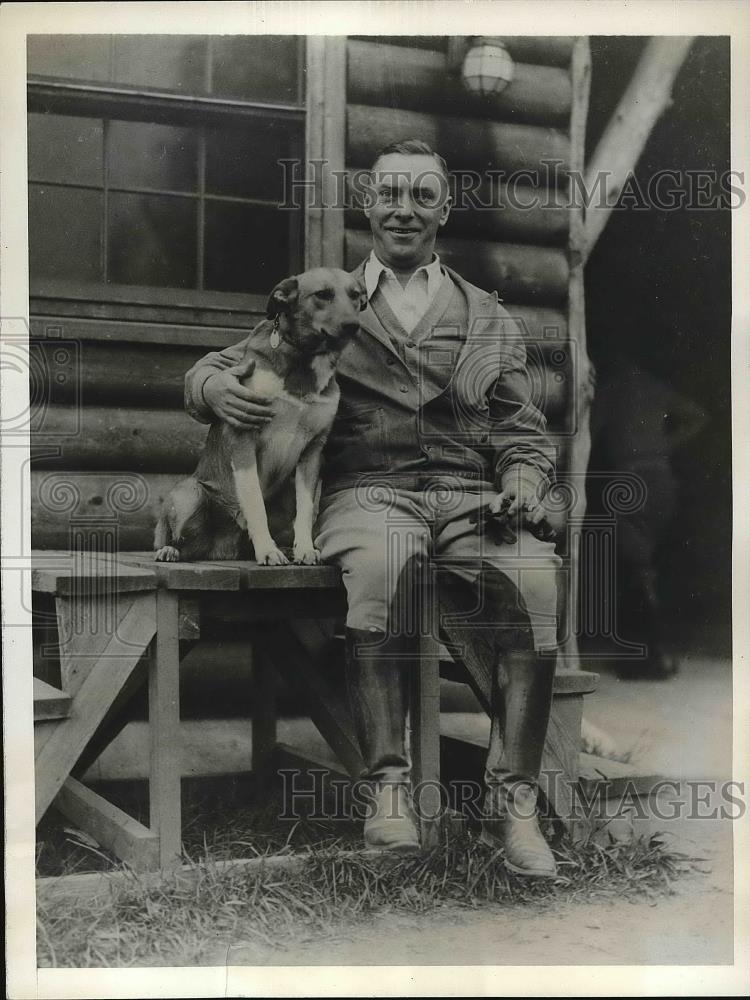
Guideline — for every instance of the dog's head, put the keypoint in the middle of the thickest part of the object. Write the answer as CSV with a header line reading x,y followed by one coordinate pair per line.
x,y
318,310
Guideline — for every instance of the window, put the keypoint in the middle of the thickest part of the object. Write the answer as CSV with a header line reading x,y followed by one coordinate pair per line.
x,y
154,163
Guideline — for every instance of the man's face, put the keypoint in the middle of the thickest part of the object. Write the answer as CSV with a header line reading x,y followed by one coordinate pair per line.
x,y
409,204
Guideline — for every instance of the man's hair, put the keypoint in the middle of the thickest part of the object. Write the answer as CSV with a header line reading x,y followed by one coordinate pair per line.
x,y
412,147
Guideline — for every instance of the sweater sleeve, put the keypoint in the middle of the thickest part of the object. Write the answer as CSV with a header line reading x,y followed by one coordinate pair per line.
x,y
195,379
518,428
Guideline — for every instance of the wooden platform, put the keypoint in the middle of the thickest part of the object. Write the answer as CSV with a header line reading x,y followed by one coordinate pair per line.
x,y
120,622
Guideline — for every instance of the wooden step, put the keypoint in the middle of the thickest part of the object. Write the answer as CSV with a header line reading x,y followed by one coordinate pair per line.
x,y
49,702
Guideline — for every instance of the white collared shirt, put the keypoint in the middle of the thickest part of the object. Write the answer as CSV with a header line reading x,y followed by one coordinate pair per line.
x,y
409,304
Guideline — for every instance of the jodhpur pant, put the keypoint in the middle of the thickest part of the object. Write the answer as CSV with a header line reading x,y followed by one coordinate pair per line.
x,y
375,531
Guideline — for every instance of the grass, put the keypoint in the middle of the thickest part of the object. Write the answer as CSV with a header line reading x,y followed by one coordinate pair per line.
x,y
195,922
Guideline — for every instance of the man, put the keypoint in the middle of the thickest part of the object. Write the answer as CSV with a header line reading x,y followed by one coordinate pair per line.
x,y
434,428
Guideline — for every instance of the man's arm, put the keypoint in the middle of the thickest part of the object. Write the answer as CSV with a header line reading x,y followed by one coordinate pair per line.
x,y
523,454
213,389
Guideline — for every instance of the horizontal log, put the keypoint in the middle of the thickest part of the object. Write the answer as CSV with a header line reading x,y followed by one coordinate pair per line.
x,y
466,144
90,365
519,273
49,328
487,209
137,312
384,75
547,50
71,509
107,437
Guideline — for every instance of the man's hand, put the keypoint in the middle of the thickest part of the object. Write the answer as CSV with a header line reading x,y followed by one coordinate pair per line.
x,y
520,504
232,402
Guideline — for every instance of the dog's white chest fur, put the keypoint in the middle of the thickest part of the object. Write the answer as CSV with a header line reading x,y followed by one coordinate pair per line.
x,y
297,420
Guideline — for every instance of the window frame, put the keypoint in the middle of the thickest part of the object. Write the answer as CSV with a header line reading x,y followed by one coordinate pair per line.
x,y
125,102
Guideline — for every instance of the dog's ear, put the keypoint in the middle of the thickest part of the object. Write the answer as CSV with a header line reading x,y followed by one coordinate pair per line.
x,y
283,298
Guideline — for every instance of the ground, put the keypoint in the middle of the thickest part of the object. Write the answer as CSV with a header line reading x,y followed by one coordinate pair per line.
x,y
678,729
681,729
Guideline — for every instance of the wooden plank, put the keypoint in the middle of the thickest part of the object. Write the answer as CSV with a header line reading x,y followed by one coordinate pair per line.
x,y
576,454
293,653
253,576
562,747
647,96
424,738
325,145
537,275
70,736
290,758
133,438
464,142
91,573
164,338
165,801
49,702
380,74
85,627
189,575
112,828
96,885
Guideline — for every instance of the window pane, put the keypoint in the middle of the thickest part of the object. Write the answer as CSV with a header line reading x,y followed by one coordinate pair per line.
x,y
65,233
152,240
155,156
170,62
244,161
82,57
247,247
63,148
259,67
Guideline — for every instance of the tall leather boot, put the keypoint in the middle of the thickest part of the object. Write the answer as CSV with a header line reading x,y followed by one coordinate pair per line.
x,y
377,676
496,623
521,709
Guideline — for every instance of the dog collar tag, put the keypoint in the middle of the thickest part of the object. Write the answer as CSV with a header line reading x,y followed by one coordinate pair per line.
x,y
275,337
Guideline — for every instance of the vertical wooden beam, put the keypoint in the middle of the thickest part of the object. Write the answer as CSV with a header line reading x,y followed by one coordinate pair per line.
x,y
424,714
325,151
164,727
579,404
647,96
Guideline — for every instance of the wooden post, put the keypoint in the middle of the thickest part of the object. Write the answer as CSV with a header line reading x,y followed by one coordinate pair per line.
x,y
325,150
424,715
164,725
579,403
647,96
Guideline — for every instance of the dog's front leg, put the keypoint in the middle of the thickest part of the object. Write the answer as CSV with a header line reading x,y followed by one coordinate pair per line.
x,y
306,479
252,505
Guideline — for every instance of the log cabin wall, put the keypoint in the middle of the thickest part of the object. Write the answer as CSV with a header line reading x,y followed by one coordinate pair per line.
x,y
109,435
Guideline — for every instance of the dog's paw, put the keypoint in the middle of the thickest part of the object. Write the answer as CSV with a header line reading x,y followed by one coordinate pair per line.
x,y
271,557
167,553
306,555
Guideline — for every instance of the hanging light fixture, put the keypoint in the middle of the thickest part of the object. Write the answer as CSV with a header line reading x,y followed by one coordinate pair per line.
x,y
488,67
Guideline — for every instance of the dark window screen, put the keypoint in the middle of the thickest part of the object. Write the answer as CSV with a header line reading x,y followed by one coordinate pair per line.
x,y
178,203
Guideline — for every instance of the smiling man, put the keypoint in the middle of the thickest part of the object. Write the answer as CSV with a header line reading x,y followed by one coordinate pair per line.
x,y
435,444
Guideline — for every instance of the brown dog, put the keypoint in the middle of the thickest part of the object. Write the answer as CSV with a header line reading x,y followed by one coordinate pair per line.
x,y
311,318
